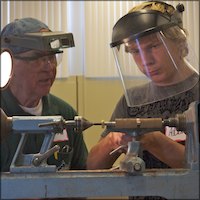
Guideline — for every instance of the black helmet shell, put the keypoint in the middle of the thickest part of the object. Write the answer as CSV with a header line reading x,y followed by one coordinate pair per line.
x,y
140,23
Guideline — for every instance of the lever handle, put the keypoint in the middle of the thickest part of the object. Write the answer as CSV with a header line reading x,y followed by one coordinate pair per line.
x,y
39,158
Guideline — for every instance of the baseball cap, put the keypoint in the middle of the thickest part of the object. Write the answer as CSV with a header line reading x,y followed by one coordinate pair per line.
x,y
19,27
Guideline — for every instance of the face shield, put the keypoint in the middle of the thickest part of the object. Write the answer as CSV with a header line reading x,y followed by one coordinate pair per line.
x,y
153,63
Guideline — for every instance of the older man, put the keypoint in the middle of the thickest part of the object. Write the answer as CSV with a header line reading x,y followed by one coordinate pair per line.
x,y
34,72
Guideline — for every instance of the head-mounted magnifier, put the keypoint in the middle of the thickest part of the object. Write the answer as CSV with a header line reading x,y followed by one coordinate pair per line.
x,y
42,41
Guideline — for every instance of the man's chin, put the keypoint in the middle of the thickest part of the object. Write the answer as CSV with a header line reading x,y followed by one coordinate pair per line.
x,y
44,91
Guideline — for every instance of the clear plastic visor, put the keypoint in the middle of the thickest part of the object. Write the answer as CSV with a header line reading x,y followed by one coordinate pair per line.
x,y
155,67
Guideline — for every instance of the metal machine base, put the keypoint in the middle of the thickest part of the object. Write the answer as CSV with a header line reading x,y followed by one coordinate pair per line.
x,y
170,183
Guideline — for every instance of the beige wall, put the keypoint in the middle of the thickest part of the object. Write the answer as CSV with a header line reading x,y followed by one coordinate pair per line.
x,y
94,99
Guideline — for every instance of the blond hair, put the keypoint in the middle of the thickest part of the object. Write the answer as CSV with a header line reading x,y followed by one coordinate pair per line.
x,y
159,6
175,33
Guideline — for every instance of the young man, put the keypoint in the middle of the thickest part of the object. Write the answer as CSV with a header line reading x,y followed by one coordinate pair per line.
x,y
150,39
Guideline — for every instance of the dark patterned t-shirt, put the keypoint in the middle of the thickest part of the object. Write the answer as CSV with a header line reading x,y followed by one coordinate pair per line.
x,y
164,108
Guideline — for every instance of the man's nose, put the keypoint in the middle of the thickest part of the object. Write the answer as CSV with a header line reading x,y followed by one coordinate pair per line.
x,y
47,61
147,57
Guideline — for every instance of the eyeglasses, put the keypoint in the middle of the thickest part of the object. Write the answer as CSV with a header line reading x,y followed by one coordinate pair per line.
x,y
51,57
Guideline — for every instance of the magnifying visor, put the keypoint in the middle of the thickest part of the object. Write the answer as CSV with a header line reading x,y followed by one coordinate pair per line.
x,y
42,41
47,45
54,57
